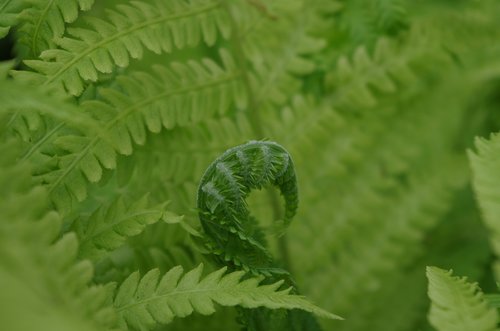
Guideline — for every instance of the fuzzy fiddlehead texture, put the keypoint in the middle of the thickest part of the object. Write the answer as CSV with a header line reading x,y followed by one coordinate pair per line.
x,y
222,207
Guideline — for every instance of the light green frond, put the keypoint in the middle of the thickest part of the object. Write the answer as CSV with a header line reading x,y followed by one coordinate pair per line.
x,y
30,112
45,21
177,96
458,305
123,34
485,165
42,284
143,303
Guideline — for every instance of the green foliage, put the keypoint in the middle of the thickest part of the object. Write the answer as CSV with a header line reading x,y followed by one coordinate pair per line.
x,y
125,32
108,228
148,137
458,304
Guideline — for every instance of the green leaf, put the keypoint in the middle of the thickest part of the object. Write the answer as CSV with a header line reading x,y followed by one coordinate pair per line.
x,y
142,303
109,226
458,305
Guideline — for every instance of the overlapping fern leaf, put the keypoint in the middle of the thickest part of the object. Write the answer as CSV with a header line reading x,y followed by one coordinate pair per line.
x,y
485,164
9,12
175,96
458,305
45,21
123,34
143,303
108,227
40,277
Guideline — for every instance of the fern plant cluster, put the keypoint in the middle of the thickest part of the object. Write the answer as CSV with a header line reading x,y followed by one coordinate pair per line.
x,y
249,165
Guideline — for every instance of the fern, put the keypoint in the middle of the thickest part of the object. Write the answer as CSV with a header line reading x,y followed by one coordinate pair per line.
x,y
116,107
9,12
123,35
106,229
485,166
44,21
144,302
221,199
58,294
457,304
140,101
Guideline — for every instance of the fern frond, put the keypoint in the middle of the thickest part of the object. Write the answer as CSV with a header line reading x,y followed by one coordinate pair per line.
x,y
179,95
221,199
485,165
273,64
173,97
108,227
31,252
142,303
111,42
44,21
458,305
30,112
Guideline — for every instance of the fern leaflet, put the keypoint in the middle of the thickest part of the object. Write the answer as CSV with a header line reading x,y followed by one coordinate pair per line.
x,y
458,305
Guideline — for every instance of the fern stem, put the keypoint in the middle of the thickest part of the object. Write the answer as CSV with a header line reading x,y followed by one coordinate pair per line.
x,y
282,240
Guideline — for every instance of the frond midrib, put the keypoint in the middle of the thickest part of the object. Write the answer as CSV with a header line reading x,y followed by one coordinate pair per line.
x,y
175,292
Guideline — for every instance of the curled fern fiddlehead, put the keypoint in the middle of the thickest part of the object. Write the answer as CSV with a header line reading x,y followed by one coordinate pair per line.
x,y
224,215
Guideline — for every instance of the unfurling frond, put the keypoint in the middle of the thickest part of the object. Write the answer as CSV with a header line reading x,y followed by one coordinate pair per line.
x,y
142,303
221,199
458,305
